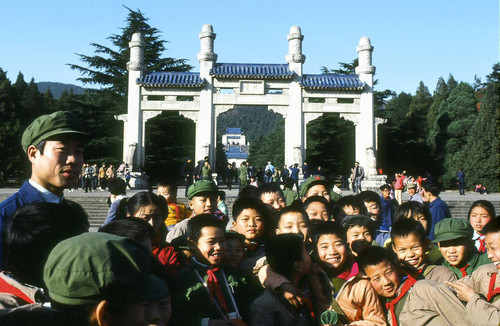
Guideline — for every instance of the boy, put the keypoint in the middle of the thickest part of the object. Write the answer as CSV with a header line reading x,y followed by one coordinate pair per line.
x,y
454,238
202,293
287,255
315,185
359,232
288,193
409,243
202,197
439,209
176,211
341,285
317,208
348,205
271,195
372,203
388,206
472,300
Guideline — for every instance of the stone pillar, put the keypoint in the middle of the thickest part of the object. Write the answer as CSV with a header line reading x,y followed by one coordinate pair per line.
x,y
365,128
205,125
294,126
132,126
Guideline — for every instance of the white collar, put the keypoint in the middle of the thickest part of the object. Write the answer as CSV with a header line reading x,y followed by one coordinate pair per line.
x,y
47,195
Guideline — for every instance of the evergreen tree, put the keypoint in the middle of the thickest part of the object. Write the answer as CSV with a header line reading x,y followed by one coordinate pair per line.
x,y
269,148
481,151
9,128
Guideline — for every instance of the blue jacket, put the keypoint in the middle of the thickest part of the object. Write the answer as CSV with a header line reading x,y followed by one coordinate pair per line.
x,y
439,211
387,216
27,194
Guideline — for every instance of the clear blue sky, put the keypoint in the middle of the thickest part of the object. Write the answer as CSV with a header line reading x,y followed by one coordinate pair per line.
x,y
414,40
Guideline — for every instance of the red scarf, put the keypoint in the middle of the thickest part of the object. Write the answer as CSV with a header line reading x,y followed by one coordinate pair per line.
x,y
214,287
491,288
463,270
410,281
7,288
481,238
351,271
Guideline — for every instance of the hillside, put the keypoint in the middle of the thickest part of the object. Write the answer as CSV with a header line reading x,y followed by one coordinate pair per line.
x,y
58,88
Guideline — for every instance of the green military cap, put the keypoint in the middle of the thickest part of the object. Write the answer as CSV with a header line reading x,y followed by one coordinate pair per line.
x,y
97,266
310,182
45,126
452,228
202,186
411,185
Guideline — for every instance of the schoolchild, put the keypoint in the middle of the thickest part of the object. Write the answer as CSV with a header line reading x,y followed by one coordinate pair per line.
x,y
317,208
315,185
346,206
480,213
288,256
288,192
235,252
472,300
359,232
272,196
409,243
421,213
176,211
345,291
454,238
388,206
202,292
372,203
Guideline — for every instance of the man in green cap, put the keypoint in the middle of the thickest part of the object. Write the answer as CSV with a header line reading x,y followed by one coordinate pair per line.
x,y
315,185
202,197
53,143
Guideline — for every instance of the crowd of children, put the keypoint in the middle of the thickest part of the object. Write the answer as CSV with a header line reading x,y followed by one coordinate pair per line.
x,y
279,258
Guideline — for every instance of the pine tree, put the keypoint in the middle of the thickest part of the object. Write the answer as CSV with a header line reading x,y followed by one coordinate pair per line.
x,y
9,127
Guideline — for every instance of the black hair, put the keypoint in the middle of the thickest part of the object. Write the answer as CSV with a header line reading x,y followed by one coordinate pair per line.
x,y
253,203
236,236
282,251
34,231
40,146
117,186
384,187
327,227
269,188
434,189
373,256
369,196
405,227
248,191
411,209
145,198
288,182
313,199
353,201
136,228
198,222
294,208
487,205
359,220
222,194
493,226
170,184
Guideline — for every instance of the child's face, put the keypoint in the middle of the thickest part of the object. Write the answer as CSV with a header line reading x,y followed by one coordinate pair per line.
x,y
373,209
152,214
358,232
420,218
274,200
318,190
204,204
332,250
317,211
292,222
165,192
234,253
384,278
492,243
349,210
479,217
211,245
455,251
386,193
250,223
410,250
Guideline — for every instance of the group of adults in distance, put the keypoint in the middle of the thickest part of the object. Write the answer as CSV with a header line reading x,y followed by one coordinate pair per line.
x,y
312,258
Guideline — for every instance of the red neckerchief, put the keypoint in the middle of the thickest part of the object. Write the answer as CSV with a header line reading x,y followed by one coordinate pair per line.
x,y
410,281
177,211
351,270
482,247
463,270
214,287
7,288
309,306
491,288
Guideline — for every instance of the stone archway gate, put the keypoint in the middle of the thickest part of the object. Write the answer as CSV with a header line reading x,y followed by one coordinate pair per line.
x,y
218,87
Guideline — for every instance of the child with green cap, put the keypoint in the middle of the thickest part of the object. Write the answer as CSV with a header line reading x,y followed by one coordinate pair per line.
x,y
454,238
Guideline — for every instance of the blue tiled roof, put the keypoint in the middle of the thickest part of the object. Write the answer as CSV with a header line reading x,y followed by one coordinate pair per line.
x,y
233,150
334,82
251,71
233,131
172,79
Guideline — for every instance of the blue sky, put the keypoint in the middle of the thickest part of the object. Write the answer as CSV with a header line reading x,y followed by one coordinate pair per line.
x,y
414,40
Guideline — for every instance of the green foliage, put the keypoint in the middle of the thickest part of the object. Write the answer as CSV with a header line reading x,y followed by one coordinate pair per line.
x,y
270,147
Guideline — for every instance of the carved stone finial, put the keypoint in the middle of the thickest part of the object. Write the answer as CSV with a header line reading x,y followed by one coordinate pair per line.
x,y
364,50
136,46
207,37
295,45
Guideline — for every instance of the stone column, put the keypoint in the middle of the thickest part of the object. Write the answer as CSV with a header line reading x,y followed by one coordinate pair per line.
x,y
365,128
205,125
132,126
294,126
